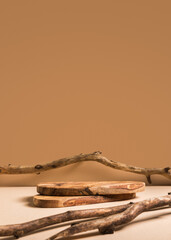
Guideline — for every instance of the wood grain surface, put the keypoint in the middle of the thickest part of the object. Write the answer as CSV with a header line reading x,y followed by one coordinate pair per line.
x,y
89,188
67,201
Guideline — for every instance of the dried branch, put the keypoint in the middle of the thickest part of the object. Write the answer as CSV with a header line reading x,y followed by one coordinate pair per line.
x,y
19,230
96,157
106,225
105,219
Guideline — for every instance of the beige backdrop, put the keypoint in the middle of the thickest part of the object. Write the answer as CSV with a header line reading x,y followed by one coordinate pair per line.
x,y
80,76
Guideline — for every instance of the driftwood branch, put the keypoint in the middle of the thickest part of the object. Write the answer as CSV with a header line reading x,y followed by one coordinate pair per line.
x,y
105,219
96,157
107,224
19,230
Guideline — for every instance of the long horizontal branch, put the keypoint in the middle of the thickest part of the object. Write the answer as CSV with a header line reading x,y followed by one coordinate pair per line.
x,y
96,157
107,224
19,230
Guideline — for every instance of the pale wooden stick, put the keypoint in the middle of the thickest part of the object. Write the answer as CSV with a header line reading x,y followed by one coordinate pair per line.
x,y
106,225
96,157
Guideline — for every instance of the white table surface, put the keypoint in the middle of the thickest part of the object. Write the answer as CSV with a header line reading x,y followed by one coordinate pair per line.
x,y
16,207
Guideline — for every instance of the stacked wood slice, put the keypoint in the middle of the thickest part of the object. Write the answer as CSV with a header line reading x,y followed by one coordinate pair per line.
x,y
66,194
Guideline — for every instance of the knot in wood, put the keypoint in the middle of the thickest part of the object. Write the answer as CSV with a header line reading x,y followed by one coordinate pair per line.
x,y
38,166
167,170
107,229
18,233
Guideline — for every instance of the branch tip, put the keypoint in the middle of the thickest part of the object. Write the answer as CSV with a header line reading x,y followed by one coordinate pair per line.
x,y
167,169
97,152
149,179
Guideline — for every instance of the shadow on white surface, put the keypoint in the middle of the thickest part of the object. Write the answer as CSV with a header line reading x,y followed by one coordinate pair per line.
x,y
28,201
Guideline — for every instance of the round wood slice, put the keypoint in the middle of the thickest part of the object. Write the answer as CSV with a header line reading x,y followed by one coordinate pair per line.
x,y
89,188
67,201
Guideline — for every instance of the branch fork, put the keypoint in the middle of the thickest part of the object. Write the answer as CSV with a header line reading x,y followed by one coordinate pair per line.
x,y
105,220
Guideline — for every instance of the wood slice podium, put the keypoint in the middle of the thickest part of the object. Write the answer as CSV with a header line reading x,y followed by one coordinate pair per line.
x,y
65,194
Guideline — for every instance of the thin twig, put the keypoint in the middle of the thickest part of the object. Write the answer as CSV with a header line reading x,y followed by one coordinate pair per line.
x,y
96,157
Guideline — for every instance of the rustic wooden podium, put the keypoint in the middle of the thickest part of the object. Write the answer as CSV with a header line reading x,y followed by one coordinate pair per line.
x,y
65,194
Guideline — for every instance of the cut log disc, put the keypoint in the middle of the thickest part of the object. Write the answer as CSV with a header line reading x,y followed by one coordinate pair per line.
x,y
89,188
68,201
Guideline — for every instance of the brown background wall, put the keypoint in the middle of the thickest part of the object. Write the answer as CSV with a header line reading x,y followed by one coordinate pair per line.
x,y
81,76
